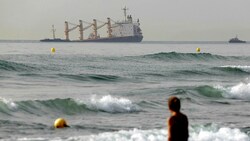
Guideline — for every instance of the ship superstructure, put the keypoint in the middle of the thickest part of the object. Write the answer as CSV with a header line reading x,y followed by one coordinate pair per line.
x,y
124,31
127,27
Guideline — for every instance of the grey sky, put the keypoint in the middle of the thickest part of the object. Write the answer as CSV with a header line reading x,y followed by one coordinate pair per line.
x,y
167,20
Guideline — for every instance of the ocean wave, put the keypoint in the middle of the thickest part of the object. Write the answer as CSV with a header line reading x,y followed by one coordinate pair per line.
x,y
12,66
9,103
212,132
235,69
69,106
194,72
238,66
209,91
170,56
196,133
238,91
7,106
91,77
112,104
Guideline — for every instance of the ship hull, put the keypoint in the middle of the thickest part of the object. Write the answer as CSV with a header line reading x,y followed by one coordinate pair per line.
x,y
112,39
53,40
237,41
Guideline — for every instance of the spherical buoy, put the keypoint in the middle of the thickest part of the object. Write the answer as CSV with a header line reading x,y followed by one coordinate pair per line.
x,y
60,123
198,49
53,50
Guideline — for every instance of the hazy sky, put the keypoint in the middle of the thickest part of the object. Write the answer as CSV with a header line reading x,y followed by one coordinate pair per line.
x,y
161,20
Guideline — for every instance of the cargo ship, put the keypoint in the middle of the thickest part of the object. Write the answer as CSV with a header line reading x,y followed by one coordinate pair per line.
x,y
236,40
124,31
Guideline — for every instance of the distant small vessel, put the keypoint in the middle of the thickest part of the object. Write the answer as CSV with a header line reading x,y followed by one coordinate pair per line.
x,y
236,40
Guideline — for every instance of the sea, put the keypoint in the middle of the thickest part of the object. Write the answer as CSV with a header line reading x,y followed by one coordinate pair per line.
x,y
119,91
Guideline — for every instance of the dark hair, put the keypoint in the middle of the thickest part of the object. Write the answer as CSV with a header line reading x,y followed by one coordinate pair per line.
x,y
174,104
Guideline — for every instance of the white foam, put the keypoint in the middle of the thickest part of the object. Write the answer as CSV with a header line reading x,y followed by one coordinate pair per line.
x,y
223,134
241,90
10,104
245,68
202,133
112,104
123,135
238,91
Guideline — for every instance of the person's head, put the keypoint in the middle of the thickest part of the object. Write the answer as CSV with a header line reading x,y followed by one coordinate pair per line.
x,y
174,104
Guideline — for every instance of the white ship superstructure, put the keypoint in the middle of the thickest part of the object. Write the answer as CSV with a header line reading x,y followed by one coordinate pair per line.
x,y
126,27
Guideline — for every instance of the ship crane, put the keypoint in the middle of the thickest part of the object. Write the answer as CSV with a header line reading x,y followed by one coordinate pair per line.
x,y
100,26
117,23
67,29
53,30
109,28
87,27
95,28
81,28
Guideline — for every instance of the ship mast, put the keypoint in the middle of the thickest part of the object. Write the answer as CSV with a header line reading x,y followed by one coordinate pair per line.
x,y
81,30
95,28
66,30
125,12
109,28
53,30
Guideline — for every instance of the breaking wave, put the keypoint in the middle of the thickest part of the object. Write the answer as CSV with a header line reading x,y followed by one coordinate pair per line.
x,y
209,91
238,91
197,133
235,69
69,106
112,104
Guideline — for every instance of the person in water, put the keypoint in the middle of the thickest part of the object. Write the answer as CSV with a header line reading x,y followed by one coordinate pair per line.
x,y
178,122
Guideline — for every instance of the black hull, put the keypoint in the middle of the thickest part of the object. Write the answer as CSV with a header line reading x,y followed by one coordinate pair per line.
x,y
53,40
113,39
237,41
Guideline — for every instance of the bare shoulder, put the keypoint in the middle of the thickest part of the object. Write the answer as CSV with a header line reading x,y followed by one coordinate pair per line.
x,y
171,120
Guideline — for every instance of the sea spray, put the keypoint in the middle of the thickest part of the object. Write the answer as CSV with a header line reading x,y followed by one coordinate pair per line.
x,y
238,91
9,103
241,90
112,104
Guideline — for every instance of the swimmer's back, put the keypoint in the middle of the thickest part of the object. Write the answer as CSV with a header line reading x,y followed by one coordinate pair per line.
x,y
178,127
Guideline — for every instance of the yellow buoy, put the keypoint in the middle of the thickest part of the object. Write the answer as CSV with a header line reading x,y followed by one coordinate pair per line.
x,y
53,50
60,123
198,49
